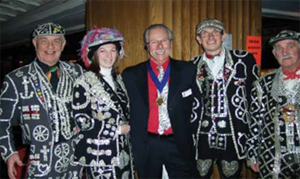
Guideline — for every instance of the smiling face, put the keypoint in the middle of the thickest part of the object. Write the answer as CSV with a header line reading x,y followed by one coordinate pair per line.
x,y
159,45
107,55
287,53
48,48
211,39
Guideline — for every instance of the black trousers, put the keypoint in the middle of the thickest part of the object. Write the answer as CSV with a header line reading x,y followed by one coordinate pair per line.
x,y
230,167
163,151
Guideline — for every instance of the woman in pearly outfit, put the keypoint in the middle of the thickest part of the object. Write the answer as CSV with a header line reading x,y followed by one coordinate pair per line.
x,y
101,108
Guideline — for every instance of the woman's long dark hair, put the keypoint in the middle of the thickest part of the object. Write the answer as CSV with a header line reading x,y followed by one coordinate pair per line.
x,y
95,66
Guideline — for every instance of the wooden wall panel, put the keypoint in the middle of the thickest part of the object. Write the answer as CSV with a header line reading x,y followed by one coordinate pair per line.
x,y
256,18
194,20
185,37
232,22
156,12
177,38
210,9
168,13
225,14
218,10
203,15
246,22
239,24
131,17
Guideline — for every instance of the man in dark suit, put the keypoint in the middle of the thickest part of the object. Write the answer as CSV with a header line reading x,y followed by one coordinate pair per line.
x,y
161,109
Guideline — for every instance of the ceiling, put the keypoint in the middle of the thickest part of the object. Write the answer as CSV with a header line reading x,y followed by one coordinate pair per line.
x,y
18,18
281,9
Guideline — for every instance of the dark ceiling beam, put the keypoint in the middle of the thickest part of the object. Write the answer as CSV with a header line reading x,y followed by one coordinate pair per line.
x,y
31,2
40,13
70,14
281,9
13,7
281,14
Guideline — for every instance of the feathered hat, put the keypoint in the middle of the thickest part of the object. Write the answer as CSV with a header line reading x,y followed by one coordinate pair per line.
x,y
97,37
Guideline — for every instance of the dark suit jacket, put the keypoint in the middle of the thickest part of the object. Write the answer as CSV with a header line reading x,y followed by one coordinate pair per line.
x,y
180,99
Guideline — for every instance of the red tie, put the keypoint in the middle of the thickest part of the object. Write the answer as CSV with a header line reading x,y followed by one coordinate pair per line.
x,y
291,75
211,56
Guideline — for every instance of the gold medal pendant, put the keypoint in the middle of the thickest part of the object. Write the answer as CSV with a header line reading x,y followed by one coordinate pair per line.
x,y
288,113
159,101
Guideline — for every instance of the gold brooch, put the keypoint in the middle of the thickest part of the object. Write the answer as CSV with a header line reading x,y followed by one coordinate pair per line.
x,y
159,101
288,113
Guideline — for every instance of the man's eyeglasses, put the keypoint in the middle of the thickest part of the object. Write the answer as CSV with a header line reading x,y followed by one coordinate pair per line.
x,y
156,42
207,34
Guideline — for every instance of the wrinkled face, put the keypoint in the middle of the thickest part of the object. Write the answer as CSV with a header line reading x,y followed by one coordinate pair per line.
x,y
159,45
48,48
287,53
107,55
211,39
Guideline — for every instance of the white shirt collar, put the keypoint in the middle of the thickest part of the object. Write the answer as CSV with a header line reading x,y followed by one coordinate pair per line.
x,y
215,64
106,72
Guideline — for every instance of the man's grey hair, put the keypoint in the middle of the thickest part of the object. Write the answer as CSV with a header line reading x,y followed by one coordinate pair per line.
x,y
154,26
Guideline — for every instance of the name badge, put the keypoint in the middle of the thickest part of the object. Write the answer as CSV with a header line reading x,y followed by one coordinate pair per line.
x,y
186,93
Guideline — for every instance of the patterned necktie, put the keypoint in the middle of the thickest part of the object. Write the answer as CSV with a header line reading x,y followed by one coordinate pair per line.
x,y
160,73
163,116
52,70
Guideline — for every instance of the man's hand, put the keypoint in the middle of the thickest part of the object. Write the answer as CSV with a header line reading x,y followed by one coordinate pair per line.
x,y
255,167
11,162
125,128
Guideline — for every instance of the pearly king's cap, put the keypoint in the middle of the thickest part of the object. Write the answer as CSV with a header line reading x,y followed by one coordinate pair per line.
x,y
211,23
284,35
97,37
48,28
